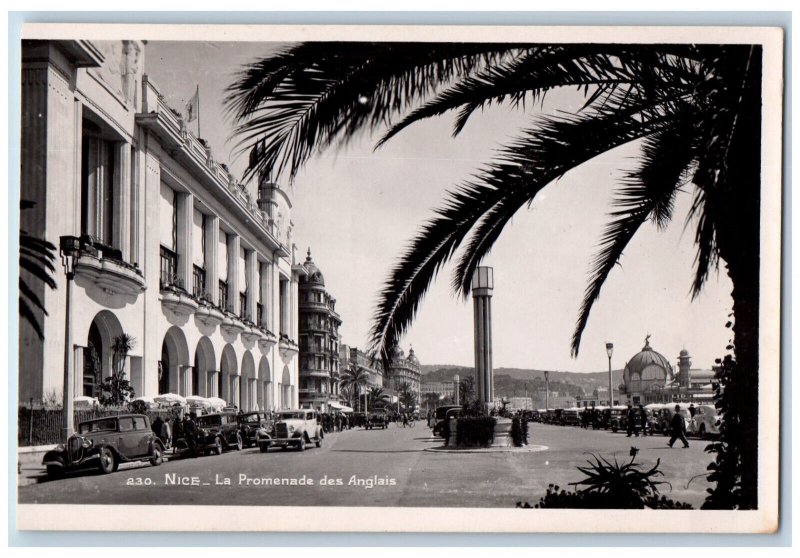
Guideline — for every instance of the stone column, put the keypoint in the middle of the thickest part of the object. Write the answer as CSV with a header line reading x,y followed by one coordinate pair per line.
x,y
266,301
482,287
251,267
233,273
185,233
122,202
212,255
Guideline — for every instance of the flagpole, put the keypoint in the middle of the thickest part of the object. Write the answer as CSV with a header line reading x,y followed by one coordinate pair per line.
x,y
197,94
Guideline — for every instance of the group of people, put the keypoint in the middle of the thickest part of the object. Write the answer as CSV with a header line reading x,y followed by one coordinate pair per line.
x,y
183,426
335,422
637,419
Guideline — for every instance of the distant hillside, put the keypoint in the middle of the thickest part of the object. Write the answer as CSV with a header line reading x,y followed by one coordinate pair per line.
x,y
512,382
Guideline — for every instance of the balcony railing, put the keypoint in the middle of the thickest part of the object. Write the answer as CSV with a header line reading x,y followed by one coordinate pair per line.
x,y
169,268
199,281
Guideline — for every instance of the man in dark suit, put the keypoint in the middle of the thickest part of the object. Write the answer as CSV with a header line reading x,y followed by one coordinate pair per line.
x,y
677,428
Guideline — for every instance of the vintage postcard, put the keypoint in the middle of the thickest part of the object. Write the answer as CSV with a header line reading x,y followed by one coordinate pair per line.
x,y
358,278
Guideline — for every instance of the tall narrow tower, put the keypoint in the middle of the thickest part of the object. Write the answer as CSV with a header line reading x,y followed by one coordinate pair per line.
x,y
482,286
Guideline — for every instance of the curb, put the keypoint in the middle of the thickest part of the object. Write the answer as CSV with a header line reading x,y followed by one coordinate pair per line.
x,y
527,449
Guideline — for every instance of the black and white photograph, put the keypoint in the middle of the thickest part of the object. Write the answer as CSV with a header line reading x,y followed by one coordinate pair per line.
x,y
357,278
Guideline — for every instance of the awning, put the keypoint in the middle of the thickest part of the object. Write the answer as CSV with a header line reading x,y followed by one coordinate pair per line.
x,y
340,407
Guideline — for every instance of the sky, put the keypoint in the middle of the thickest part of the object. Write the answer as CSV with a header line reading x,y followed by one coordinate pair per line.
x,y
356,209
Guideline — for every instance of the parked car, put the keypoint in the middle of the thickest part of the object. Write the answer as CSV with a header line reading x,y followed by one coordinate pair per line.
x,y
617,418
705,422
297,427
571,417
249,424
105,443
217,432
377,419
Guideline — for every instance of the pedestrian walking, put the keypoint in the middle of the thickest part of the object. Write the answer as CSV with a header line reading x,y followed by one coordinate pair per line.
x,y
190,432
677,428
632,420
177,429
692,410
643,419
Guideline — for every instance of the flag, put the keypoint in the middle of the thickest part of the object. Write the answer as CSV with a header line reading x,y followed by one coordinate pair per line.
x,y
193,106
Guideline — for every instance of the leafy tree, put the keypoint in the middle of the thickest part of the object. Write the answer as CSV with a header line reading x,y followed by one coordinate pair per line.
x,y
377,397
116,389
466,389
407,395
693,109
36,256
356,379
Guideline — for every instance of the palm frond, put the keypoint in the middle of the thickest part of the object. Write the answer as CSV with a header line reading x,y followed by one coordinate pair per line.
x,y
649,194
305,98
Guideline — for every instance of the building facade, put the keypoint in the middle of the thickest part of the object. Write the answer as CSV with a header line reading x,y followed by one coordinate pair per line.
x,y
319,341
173,251
649,377
405,370
444,389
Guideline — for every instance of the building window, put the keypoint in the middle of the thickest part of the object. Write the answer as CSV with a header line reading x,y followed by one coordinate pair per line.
x,y
223,295
97,185
199,281
169,265
260,314
243,306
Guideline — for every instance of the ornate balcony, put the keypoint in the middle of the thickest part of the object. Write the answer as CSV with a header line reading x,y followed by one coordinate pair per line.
x,y
103,266
178,301
232,324
287,348
251,332
268,340
208,314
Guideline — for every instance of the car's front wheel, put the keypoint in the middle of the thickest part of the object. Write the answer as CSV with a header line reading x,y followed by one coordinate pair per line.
x,y
217,446
156,456
302,445
108,462
264,448
239,442
319,439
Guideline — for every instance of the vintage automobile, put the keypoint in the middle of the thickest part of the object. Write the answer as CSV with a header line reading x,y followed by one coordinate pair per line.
x,y
571,417
296,427
217,432
249,425
377,419
705,422
617,418
663,415
104,443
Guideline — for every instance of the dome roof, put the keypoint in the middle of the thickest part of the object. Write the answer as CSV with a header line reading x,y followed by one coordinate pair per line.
x,y
684,353
315,276
412,357
647,357
398,353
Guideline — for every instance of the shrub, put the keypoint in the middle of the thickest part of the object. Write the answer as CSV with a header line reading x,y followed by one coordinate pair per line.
x,y
610,486
519,431
475,431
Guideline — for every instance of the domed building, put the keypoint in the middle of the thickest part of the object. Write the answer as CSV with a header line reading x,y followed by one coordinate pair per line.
x,y
319,340
645,376
649,377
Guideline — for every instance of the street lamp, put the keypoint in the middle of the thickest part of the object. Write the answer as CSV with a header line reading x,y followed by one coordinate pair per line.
x,y
456,388
546,390
609,352
70,248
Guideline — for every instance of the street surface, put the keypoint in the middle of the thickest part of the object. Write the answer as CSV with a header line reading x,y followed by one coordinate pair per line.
x,y
375,468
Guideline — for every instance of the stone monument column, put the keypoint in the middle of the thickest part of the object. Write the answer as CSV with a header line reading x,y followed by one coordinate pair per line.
x,y
482,286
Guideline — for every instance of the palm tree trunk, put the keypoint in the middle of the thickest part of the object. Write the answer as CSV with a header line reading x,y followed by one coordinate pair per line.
x,y
738,240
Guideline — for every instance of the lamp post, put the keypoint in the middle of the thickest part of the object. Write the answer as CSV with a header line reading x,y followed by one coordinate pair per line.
x,y
69,249
546,390
456,389
609,352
